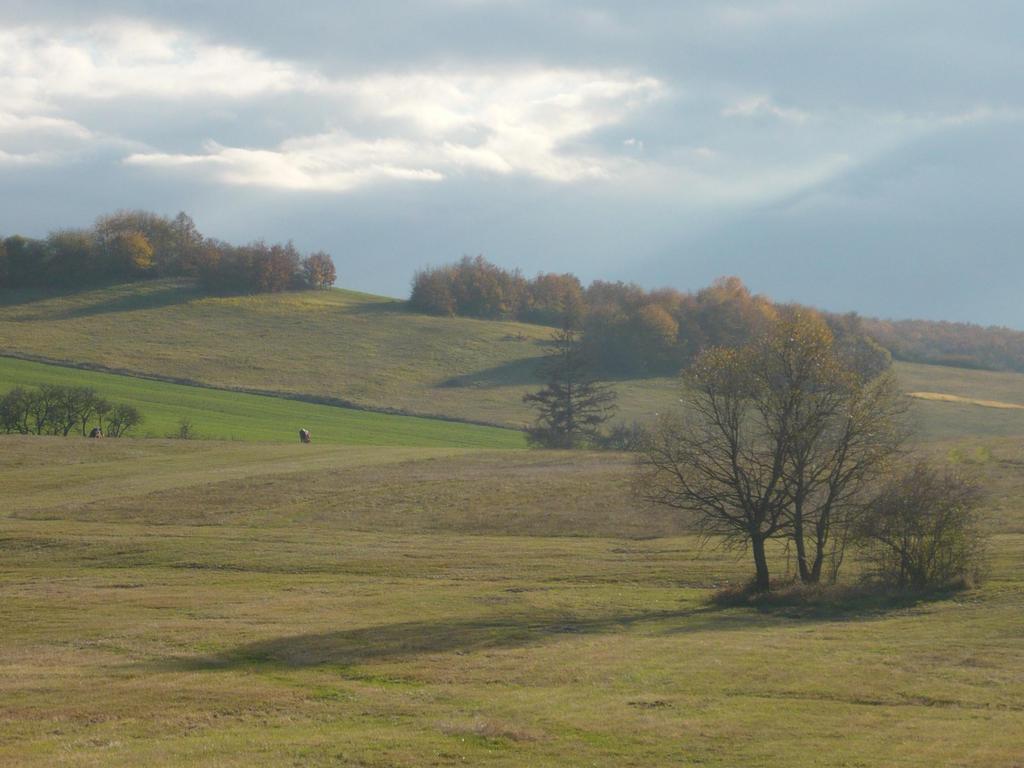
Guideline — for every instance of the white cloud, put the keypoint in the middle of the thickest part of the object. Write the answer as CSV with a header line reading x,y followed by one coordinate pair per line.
x,y
760,106
31,158
40,67
328,163
517,122
417,125
11,124
435,123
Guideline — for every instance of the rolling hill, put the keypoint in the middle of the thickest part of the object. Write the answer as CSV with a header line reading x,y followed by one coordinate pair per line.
x,y
350,348
237,604
220,415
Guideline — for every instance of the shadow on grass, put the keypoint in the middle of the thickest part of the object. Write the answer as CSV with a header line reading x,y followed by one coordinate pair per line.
x,y
414,638
19,296
513,373
527,371
379,306
136,300
127,296
830,602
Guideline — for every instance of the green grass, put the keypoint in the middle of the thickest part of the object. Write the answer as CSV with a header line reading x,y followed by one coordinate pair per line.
x,y
183,603
340,344
233,416
374,352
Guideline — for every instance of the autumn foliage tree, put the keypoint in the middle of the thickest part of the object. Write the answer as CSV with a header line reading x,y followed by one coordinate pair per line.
x,y
136,245
318,270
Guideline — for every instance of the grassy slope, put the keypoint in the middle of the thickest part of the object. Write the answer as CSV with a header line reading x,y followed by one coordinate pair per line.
x,y
372,351
234,416
328,343
172,603
942,419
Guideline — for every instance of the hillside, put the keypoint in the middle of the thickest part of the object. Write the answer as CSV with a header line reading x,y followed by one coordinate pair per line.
x,y
374,352
220,415
239,604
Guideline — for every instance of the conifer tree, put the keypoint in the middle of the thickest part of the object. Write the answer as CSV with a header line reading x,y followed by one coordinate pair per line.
x,y
573,405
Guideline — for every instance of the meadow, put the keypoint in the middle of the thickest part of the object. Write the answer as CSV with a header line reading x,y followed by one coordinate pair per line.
x,y
374,352
223,415
176,603
410,592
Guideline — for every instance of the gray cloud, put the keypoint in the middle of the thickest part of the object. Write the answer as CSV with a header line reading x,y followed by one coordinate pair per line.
x,y
857,154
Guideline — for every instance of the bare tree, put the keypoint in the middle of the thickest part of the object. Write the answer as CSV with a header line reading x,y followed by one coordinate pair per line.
x,y
778,437
721,460
843,428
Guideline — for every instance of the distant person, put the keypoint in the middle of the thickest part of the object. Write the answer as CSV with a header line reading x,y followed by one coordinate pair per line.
x,y
96,432
304,436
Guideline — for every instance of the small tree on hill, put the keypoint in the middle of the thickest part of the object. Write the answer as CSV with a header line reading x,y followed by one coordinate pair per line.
x,y
318,270
573,405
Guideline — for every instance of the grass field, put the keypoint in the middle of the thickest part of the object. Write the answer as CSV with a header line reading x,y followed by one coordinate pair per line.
x,y
341,344
373,351
180,603
235,416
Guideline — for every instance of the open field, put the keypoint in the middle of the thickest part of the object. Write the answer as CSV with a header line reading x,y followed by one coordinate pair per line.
x,y
234,416
365,349
175,603
373,352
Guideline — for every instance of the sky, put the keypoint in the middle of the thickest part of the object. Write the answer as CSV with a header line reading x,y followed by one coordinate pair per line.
x,y
860,155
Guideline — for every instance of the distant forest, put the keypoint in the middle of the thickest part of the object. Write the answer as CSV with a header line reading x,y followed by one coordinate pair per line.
x,y
630,330
137,245
627,330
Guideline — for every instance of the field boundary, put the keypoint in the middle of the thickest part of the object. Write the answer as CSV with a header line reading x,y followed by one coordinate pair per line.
x,y
336,402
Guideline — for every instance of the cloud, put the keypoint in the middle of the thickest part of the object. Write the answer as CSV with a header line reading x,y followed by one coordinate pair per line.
x,y
418,125
443,123
758,106
760,13
11,124
42,66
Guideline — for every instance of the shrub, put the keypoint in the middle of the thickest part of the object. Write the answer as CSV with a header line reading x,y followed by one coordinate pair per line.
x,y
922,529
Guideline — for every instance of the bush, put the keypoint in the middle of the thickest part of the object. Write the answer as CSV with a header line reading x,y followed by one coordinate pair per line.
x,y
121,419
623,437
186,430
922,529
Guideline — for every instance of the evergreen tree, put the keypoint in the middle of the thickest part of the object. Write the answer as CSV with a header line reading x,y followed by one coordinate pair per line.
x,y
573,405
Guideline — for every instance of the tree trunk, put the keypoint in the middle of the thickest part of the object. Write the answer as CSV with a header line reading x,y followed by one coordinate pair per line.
x,y
815,575
762,583
820,540
801,545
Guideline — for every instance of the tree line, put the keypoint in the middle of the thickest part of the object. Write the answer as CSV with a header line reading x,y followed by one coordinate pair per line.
x,y
138,245
56,409
624,328
633,331
963,345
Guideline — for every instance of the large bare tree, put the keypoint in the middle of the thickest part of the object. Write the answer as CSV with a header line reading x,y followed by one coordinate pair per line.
x,y
780,437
